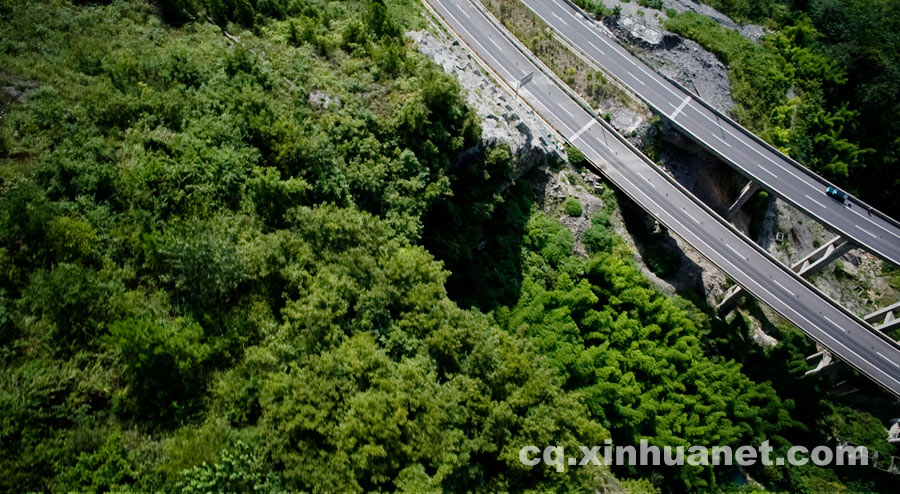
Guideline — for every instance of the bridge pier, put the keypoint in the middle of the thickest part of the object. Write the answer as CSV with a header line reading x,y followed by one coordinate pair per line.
x,y
744,196
821,257
888,317
827,360
812,263
729,300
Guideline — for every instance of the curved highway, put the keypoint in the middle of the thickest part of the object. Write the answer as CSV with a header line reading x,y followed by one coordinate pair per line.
x,y
844,335
726,139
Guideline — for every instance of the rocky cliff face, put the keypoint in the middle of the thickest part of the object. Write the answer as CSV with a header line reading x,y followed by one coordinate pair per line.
x,y
857,282
503,118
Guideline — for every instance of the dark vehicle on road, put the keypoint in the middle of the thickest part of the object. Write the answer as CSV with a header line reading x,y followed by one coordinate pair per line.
x,y
836,194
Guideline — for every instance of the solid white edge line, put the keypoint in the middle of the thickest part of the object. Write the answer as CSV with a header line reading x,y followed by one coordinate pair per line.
x,y
486,51
760,286
774,299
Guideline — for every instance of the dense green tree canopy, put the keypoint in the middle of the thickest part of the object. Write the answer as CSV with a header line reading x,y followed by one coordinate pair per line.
x,y
283,260
838,59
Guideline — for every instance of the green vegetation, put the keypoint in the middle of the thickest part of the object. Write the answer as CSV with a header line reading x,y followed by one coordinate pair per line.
x,y
651,4
633,353
281,260
539,38
212,277
599,237
893,274
572,207
759,78
595,7
823,86
576,157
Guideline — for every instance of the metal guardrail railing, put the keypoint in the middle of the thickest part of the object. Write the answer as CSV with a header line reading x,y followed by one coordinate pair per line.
x,y
825,183
578,99
616,135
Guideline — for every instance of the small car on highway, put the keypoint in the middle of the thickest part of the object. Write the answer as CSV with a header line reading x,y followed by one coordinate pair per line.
x,y
836,194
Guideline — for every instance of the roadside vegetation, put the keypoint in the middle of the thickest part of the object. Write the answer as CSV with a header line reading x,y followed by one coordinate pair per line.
x,y
823,85
279,260
213,276
525,25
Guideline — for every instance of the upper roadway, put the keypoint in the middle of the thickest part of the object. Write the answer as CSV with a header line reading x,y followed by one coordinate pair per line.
x,y
789,295
734,144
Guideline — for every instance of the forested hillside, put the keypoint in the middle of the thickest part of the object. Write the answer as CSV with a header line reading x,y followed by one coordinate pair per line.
x,y
211,281
244,260
823,85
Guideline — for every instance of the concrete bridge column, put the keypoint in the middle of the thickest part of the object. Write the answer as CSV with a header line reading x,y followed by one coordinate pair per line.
x,y
809,265
816,260
825,362
887,317
745,195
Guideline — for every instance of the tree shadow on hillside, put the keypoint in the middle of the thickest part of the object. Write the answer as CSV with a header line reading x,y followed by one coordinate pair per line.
x,y
659,251
478,233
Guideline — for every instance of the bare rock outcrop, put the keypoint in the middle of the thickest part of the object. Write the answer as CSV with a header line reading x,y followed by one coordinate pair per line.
x,y
503,118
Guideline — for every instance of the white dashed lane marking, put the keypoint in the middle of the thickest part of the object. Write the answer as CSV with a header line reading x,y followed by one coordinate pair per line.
x,y
560,19
648,181
783,287
866,231
889,360
813,200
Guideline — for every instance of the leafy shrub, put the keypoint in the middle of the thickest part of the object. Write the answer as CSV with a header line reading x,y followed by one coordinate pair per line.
x,y
163,360
201,261
237,469
108,468
572,207
576,157
651,4
551,239
599,237
595,7
75,300
71,238
24,215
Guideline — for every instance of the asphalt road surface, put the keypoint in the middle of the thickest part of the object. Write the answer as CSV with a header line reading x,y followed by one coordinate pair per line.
x,y
731,142
772,283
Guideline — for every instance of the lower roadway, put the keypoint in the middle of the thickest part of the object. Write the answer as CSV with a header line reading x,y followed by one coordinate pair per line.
x,y
844,335
732,143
